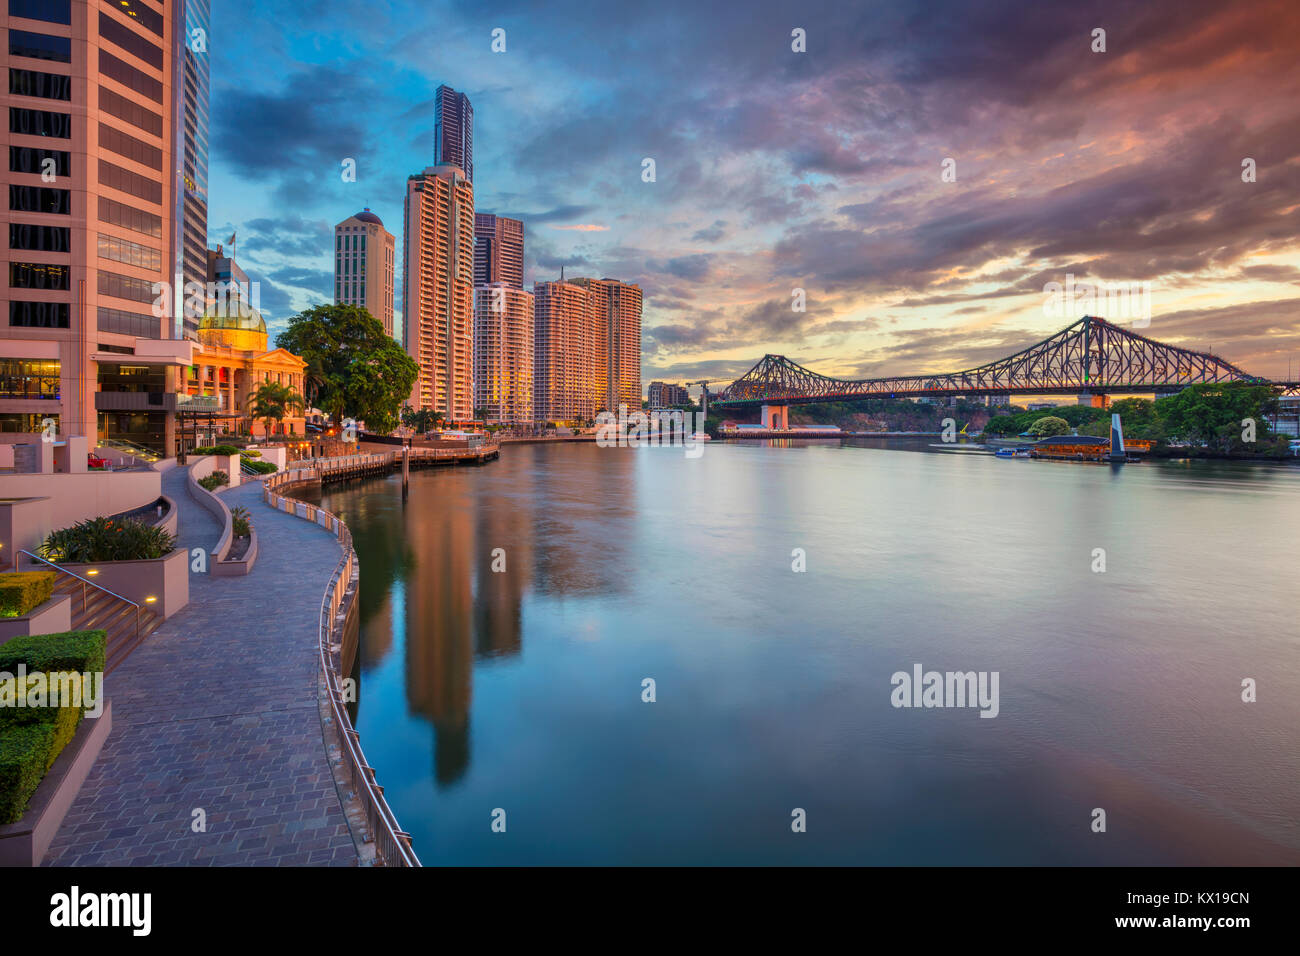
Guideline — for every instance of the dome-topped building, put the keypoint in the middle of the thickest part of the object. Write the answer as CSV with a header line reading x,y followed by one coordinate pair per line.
x,y
239,327
363,265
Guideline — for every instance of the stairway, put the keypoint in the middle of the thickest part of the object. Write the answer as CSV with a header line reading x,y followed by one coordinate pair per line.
x,y
99,610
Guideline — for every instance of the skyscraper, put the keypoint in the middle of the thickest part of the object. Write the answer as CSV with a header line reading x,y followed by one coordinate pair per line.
x,y
91,220
190,218
616,318
503,353
438,290
498,250
363,266
453,131
564,341
587,349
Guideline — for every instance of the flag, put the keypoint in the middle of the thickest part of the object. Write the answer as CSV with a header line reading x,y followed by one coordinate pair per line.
x,y
231,240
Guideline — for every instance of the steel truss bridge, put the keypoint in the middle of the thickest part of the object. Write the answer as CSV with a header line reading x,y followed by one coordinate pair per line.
x,y
1092,356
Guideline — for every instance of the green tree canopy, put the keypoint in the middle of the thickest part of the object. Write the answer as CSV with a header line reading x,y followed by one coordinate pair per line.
x,y
1214,413
1049,425
362,372
272,401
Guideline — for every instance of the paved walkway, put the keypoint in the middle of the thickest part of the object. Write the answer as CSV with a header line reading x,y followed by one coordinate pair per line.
x,y
218,711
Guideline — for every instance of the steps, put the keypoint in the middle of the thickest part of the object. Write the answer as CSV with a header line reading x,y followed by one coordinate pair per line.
x,y
99,610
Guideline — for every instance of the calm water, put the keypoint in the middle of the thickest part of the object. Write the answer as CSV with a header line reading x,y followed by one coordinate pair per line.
x,y
522,690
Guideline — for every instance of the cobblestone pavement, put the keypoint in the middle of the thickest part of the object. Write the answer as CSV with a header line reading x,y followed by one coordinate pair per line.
x,y
217,711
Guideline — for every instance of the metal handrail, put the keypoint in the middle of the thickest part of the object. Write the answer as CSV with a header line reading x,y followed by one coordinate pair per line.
x,y
392,842
84,582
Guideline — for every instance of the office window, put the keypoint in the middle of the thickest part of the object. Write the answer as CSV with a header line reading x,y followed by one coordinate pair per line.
x,y
40,46
127,323
37,275
51,86
139,11
132,253
51,11
126,145
23,235
39,315
130,41
129,76
139,186
24,159
40,123
125,287
39,199
137,220
30,378
133,113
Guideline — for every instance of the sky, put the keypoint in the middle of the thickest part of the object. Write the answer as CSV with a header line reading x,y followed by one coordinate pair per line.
x,y
778,170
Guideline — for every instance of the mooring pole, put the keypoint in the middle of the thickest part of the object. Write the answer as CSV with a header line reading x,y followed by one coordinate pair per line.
x,y
406,469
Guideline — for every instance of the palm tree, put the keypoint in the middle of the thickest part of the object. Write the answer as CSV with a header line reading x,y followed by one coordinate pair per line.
x,y
313,379
272,401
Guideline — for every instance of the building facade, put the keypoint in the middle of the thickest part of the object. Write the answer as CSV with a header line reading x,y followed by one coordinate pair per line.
x,y
438,290
364,254
498,250
91,215
667,395
503,354
190,126
453,131
616,316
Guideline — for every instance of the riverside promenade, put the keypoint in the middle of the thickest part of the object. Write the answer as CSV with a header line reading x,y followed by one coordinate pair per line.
x,y
217,711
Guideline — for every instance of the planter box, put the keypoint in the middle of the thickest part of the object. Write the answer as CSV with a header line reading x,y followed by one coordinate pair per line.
x,y
52,617
167,579
231,569
24,843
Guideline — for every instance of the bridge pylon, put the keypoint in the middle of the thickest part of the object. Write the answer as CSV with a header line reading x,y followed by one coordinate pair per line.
x,y
776,417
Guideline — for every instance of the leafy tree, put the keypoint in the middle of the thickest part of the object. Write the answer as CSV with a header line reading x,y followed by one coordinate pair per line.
x,y
1139,417
421,420
1214,413
362,372
1048,426
272,401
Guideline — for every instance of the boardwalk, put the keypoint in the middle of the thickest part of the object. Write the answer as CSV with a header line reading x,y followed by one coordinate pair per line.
x,y
218,711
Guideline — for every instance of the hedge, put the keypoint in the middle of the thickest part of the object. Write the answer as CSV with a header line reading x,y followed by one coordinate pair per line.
x,y
31,738
20,591
261,467
24,758
217,450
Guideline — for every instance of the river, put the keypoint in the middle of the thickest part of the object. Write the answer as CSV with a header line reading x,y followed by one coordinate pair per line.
x,y
522,690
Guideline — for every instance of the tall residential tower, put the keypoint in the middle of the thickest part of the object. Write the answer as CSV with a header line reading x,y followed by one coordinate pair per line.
x,y
438,290
363,266
190,217
453,131
498,250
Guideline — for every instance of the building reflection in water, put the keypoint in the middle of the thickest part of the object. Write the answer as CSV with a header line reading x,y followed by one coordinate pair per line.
x,y
428,563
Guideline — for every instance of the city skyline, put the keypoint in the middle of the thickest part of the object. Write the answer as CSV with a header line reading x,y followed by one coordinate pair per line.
x,y
819,170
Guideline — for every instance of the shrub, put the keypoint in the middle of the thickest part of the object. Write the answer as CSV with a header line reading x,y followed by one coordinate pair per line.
x,y
216,450
32,738
107,539
24,757
251,453
20,591
239,523
262,467
215,480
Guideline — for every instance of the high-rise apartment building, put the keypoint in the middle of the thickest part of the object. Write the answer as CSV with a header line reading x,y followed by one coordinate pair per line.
x,y
564,341
453,131
190,123
438,290
91,218
363,266
616,364
587,351
503,354
498,250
